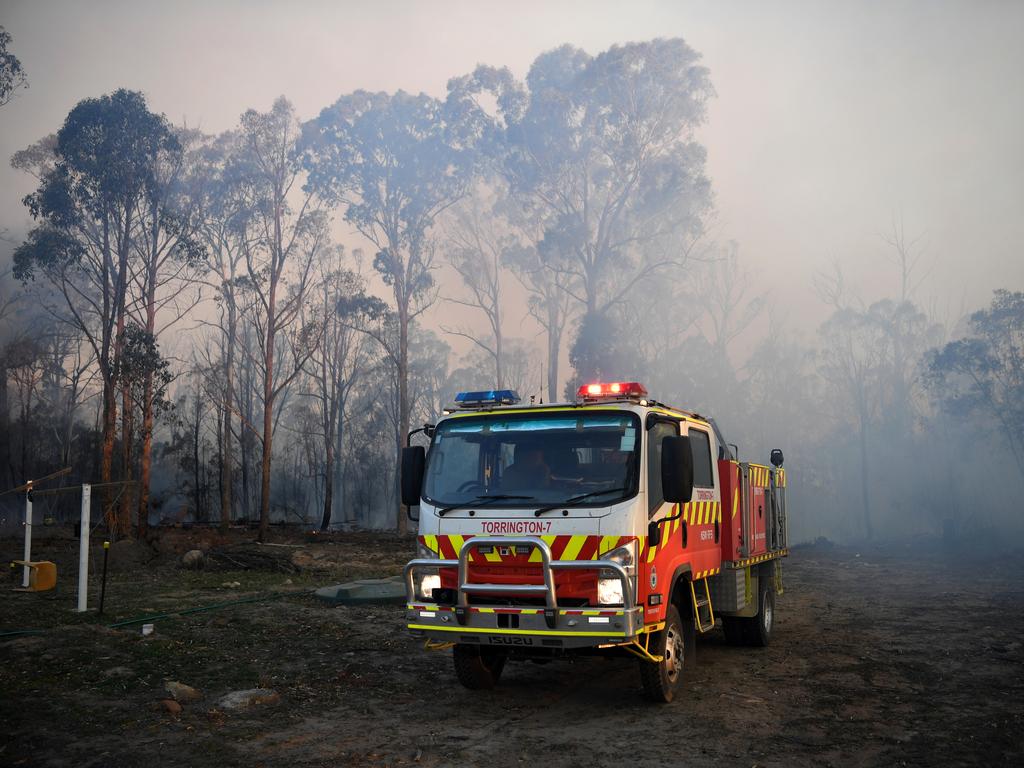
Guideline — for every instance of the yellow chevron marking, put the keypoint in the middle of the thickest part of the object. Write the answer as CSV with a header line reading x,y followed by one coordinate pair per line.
x,y
572,549
485,610
431,543
535,554
607,544
457,542
651,553
493,556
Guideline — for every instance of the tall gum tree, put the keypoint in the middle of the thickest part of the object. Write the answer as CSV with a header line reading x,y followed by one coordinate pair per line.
x,y
601,149
87,204
289,230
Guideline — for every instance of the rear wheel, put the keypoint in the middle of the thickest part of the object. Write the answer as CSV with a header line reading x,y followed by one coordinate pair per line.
x,y
661,680
477,668
759,628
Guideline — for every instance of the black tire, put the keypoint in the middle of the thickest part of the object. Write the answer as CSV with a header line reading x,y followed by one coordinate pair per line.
x,y
661,681
735,629
477,668
759,628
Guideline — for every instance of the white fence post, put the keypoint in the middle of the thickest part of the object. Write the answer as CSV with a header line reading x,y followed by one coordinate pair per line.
x,y
28,535
83,552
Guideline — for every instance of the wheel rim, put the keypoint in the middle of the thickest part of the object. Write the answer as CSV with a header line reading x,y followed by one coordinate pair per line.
x,y
768,618
673,653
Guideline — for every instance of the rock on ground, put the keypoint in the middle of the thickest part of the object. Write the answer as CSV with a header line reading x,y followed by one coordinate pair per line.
x,y
193,558
182,692
171,706
249,698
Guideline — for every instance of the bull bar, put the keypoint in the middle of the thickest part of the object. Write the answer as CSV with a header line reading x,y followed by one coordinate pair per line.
x,y
628,617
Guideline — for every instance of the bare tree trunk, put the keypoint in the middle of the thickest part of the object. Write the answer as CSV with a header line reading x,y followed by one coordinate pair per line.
x,y
339,484
268,414
196,458
403,399
325,521
5,426
146,461
554,328
864,484
227,454
499,357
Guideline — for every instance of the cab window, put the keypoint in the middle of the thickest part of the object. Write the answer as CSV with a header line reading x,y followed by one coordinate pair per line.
x,y
700,442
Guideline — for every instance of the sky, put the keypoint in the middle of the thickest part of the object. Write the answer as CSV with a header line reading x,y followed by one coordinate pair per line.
x,y
832,120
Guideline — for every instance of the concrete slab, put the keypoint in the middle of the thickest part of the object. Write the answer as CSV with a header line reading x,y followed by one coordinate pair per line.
x,y
365,592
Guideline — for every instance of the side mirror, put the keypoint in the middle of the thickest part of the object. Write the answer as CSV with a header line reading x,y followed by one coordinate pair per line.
x,y
676,469
413,461
654,533
776,457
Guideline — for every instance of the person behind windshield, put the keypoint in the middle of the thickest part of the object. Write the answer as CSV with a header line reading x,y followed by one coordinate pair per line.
x,y
528,472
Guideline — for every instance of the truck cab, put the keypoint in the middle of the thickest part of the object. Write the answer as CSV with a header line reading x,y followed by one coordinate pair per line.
x,y
587,527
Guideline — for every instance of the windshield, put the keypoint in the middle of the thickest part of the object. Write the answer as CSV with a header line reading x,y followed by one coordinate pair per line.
x,y
535,458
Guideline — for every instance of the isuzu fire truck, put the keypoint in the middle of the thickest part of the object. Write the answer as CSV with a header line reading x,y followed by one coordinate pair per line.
x,y
615,524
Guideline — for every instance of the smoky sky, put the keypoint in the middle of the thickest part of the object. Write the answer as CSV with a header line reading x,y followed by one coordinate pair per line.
x,y
831,120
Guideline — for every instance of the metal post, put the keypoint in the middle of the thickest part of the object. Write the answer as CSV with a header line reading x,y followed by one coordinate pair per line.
x,y
26,571
83,551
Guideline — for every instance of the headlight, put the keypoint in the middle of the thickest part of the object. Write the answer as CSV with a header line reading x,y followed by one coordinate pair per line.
x,y
609,591
609,586
427,584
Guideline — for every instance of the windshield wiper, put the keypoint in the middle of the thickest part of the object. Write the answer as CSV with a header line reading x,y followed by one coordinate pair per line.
x,y
574,499
486,498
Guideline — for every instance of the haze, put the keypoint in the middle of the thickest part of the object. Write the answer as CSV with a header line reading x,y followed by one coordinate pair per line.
x,y
835,127
831,118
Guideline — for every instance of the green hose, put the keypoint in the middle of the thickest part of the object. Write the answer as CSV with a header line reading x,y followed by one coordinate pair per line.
x,y
201,609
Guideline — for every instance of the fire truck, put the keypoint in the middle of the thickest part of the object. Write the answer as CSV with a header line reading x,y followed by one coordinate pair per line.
x,y
614,524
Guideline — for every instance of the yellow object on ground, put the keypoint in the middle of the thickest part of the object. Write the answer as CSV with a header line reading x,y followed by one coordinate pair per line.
x,y
42,575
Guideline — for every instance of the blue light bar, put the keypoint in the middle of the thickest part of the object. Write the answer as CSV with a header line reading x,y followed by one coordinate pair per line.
x,y
488,397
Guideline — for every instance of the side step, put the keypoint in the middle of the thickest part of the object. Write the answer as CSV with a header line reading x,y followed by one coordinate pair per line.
x,y
703,612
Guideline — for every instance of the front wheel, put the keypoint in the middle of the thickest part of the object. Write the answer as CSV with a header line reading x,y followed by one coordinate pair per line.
x,y
477,668
661,680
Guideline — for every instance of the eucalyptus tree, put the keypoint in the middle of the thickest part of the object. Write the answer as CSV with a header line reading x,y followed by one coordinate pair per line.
x,y
476,244
395,162
602,150
226,230
338,365
289,230
170,260
982,373
12,73
102,169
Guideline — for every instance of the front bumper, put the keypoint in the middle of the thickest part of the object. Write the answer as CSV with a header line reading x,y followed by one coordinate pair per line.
x,y
549,627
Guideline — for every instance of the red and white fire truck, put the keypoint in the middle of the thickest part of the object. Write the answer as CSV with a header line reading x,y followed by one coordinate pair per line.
x,y
614,524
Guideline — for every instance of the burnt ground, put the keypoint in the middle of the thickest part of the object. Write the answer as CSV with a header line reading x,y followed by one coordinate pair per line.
x,y
881,657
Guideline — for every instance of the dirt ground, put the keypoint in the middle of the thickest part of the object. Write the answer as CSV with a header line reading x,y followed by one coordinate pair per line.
x,y
881,657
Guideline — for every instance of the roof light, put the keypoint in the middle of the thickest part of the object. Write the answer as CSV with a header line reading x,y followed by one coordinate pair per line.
x,y
487,397
615,390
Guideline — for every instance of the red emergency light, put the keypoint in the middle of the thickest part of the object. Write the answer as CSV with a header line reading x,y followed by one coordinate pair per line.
x,y
611,390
